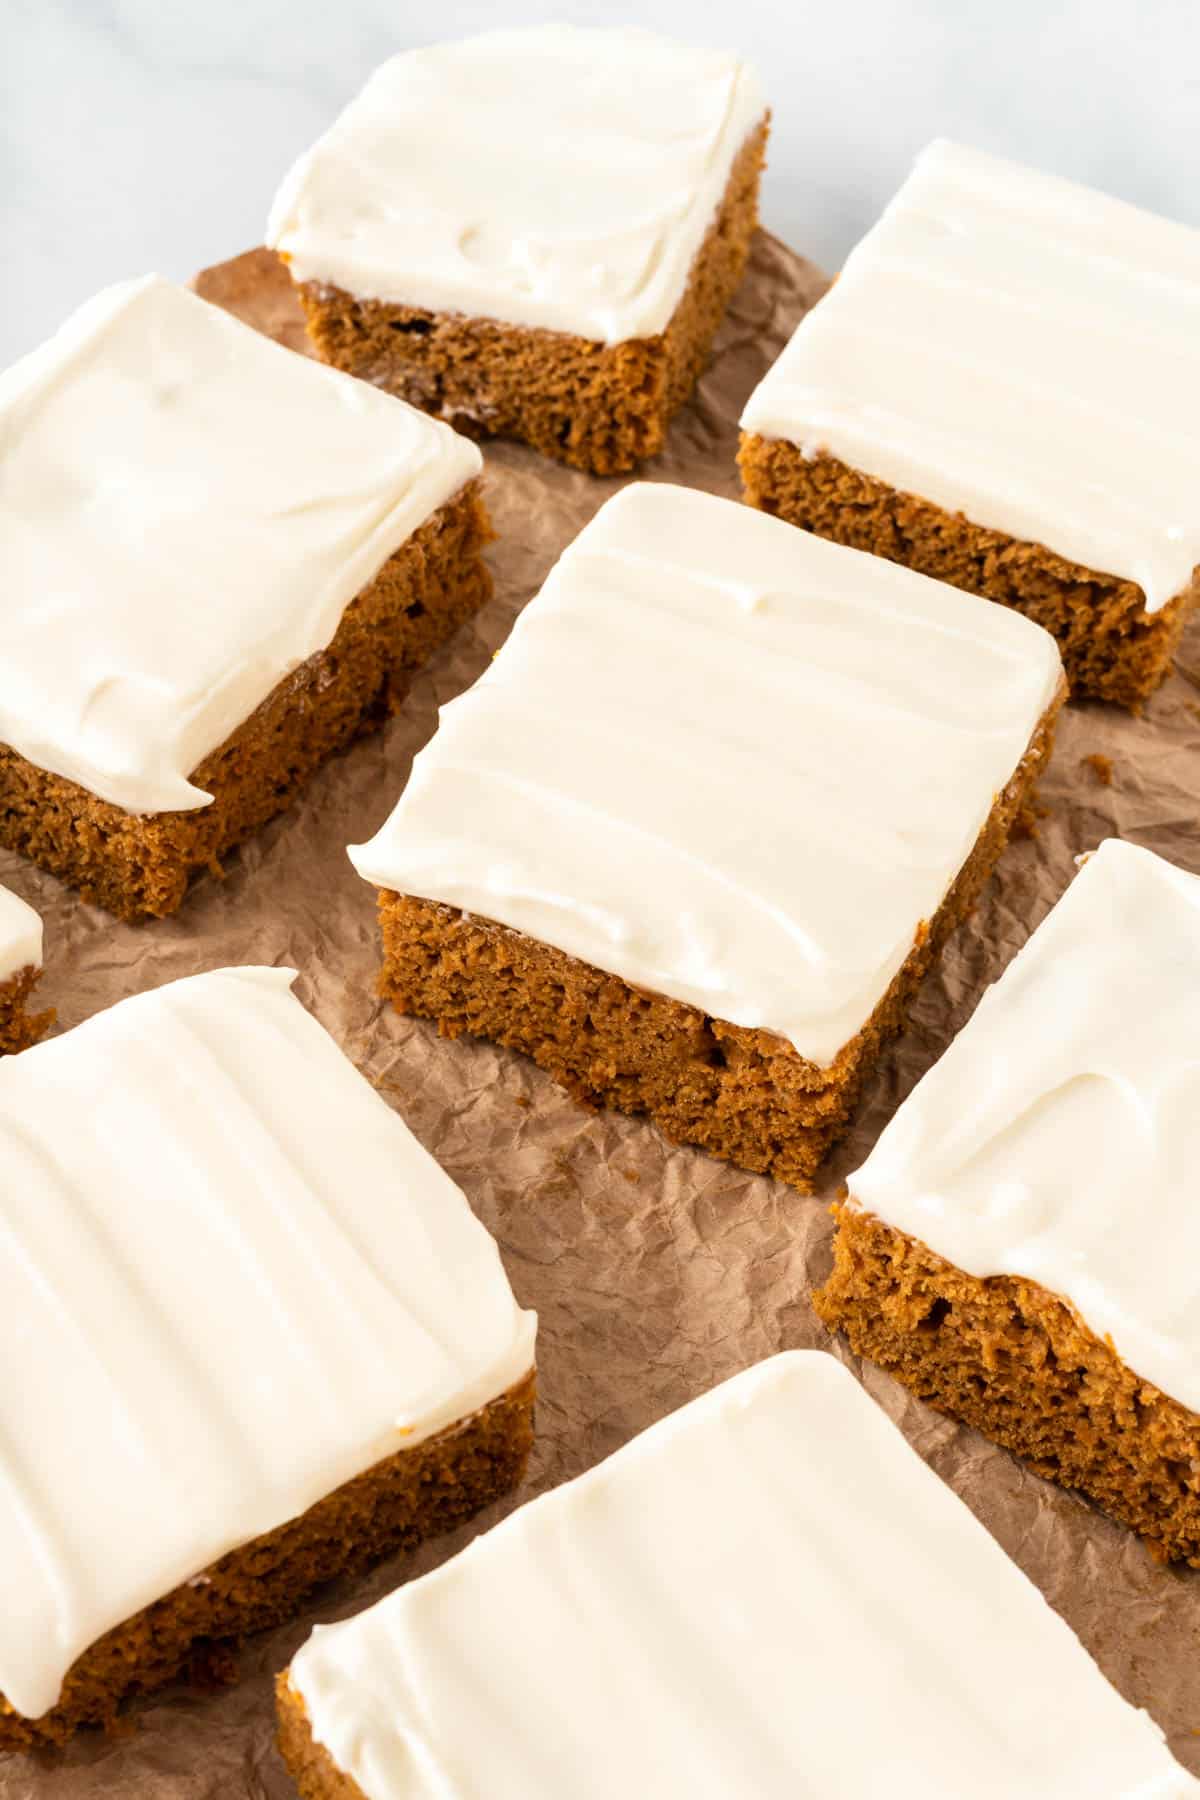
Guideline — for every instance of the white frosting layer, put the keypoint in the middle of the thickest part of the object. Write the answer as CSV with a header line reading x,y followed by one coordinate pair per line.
x,y
557,176
768,1594
1018,349
232,1280
1059,1136
726,761
20,935
186,509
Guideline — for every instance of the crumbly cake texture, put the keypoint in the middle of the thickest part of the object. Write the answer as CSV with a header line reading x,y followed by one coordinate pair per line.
x,y
1112,647
19,1028
600,407
1000,390
395,1506
1018,1249
742,1094
140,866
366,1381
783,1493
316,1775
1017,1363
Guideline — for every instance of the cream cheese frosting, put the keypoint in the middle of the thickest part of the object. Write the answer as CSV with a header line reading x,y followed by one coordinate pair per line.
x,y
768,1594
186,510
1059,1136
1019,349
233,1280
20,935
558,176
726,761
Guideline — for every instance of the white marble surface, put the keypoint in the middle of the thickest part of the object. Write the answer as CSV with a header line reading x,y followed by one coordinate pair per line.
x,y
139,134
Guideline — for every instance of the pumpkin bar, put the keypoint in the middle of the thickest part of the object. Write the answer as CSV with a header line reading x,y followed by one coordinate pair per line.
x,y
252,1336
1001,390
221,563
767,1588
20,972
700,829
1020,1248
532,233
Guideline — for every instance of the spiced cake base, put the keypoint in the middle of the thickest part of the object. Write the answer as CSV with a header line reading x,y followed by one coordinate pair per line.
x,y
600,407
141,866
18,1026
396,1505
1112,648
316,1775
741,1093
1016,1362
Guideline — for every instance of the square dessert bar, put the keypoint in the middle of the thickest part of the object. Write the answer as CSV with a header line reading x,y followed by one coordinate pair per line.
x,y
221,562
533,233
252,1338
1022,1246
20,971
1001,390
766,1594
698,832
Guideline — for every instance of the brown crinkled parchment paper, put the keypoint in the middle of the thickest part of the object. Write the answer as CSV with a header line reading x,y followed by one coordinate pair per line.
x,y
656,1271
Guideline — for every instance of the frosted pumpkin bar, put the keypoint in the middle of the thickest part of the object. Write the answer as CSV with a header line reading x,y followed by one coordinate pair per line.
x,y
252,1338
220,563
532,233
1001,390
766,1594
700,829
1020,1247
